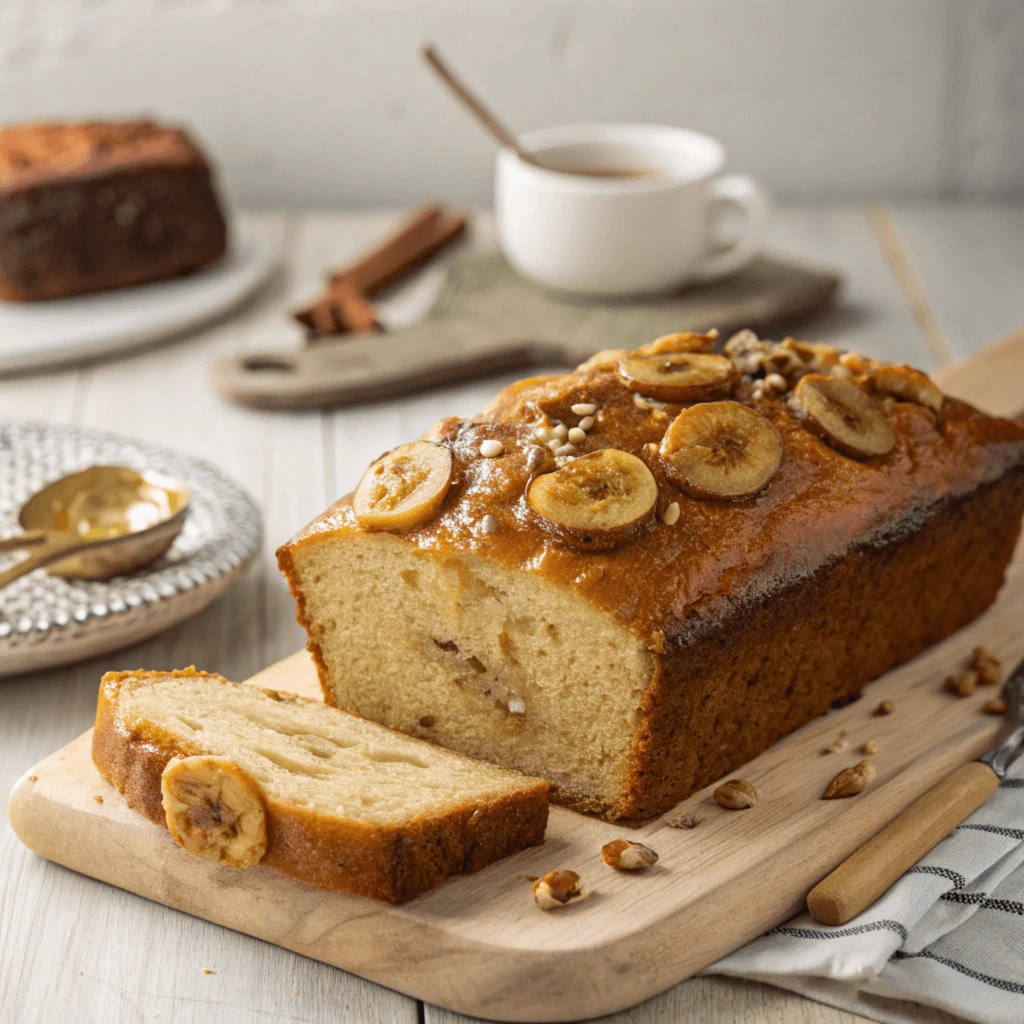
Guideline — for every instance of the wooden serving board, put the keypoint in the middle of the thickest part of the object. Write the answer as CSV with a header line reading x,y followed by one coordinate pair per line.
x,y
478,944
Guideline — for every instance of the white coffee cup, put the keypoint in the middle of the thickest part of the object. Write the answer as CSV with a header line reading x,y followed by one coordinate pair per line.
x,y
636,234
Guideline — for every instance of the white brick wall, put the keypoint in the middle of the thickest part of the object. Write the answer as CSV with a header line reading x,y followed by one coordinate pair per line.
x,y
326,102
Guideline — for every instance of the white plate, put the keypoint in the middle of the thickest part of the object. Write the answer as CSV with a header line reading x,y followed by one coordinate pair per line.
x,y
62,331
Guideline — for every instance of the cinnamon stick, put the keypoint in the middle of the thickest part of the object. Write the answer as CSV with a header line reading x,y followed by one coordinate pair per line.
x,y
343,306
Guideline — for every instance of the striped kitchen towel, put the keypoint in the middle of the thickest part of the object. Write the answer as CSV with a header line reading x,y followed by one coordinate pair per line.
x,y
949,934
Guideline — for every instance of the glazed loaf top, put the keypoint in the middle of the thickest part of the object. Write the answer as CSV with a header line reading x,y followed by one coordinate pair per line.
x,y
731,475
40,152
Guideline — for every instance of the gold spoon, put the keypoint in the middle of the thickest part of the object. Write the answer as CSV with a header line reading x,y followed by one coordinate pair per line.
x,y
98,523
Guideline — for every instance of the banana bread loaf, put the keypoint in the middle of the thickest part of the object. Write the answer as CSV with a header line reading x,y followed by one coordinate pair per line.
x,y
244,776
87,207
633,578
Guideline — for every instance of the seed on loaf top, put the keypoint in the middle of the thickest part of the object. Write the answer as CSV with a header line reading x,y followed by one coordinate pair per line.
x,y
824,497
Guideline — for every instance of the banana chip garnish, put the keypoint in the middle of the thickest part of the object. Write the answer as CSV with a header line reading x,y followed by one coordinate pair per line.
x,y
842,415
596,501
910,384
404,488
215,810
678,376
721,450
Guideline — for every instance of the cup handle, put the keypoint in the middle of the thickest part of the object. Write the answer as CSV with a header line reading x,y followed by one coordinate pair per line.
x,y
742,192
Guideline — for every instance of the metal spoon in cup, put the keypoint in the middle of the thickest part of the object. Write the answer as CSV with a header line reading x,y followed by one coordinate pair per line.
x,y
98,523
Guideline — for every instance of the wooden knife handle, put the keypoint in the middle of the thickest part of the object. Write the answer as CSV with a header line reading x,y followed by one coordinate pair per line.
x,y
867,874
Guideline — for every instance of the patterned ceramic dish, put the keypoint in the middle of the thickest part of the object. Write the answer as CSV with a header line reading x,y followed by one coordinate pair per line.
x,y
47,620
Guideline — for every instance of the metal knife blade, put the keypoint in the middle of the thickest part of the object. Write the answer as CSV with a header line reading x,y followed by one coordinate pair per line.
x,y
1000,757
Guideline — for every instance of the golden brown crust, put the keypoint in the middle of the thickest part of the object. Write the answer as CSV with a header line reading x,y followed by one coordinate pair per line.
x,y
770,666
394,863
286,563
41,150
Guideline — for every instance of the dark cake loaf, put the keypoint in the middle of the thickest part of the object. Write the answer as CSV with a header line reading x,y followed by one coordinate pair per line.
x,y
92,206
631,579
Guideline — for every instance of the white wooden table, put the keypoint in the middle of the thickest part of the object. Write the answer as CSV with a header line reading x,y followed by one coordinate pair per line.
x,y
925,285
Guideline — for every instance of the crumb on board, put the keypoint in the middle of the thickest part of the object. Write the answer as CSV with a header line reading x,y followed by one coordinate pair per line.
x,y
98,798
887,707
206,970
683,820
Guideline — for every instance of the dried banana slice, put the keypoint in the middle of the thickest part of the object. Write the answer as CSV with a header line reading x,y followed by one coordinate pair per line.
x,y
403,488
816,354
681,341
906,382
842,415
721,450
215,810
596,501
678,376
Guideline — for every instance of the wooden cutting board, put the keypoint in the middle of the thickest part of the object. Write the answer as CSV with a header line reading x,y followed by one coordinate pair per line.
x,y
478,944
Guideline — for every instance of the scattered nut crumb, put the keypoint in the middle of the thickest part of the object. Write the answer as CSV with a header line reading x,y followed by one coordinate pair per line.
x,y
491,449
996,706
33,778
962,683
683,820
624,855
671,514
838,745
559,889
987,666
887,707
870,747
98,798
527,878
736,795
428,721
206,970
851,781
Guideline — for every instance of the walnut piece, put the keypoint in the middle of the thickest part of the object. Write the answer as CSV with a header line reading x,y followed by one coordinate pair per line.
x,y
851,781
887,707
962,683
736,795
559,889
987,666
624,855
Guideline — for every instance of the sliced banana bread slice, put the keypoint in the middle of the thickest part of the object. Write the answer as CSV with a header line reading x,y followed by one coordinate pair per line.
x,y
242,775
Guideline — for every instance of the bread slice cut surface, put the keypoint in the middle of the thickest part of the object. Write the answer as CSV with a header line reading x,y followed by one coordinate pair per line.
x,y
350,804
